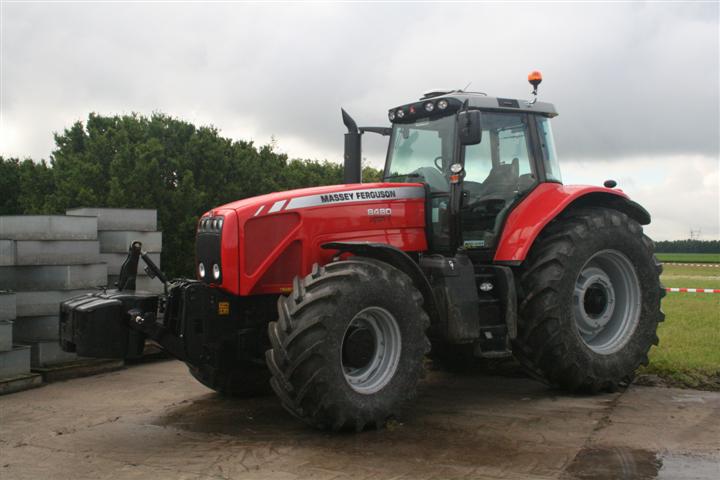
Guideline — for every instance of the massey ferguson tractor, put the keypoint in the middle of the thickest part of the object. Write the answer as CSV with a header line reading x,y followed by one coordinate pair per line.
x,y
333,296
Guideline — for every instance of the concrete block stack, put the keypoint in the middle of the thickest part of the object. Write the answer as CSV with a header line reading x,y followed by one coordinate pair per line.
x,y
7,315
15,371
117,228
47,259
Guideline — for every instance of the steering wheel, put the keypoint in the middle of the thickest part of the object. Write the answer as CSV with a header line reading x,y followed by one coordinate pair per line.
x,y
439,167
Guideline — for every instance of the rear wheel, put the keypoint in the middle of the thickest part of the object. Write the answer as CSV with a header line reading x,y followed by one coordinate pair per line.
x,y
590,302
606,301
348,347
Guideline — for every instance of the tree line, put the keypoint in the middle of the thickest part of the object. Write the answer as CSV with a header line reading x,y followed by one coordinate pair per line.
x,y
688,246
160,162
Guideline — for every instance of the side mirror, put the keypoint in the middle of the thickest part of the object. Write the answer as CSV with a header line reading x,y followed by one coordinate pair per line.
x,y
469,128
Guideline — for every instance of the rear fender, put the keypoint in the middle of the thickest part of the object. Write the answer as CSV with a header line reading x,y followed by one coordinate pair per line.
x,y
398,259
545,203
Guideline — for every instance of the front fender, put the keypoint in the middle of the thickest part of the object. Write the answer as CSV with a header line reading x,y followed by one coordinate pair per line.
x,y
398,259
545,203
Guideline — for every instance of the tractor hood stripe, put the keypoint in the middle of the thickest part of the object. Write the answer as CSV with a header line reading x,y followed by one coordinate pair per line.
x,y
353,196
277,206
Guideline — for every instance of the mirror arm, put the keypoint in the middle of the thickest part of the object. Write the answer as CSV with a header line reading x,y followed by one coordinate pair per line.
x,y
384,131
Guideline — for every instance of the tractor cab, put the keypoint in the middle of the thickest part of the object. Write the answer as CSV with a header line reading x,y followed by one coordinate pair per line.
x,y
478,155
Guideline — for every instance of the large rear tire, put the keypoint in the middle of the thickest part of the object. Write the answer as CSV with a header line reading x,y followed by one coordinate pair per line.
x,y
590,302
348,347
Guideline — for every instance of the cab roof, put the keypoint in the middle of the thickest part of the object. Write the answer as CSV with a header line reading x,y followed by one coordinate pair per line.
x,y
455,100
480,100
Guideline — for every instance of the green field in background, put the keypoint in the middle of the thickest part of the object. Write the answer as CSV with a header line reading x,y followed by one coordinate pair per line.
x,y
689,257
680,276
689,349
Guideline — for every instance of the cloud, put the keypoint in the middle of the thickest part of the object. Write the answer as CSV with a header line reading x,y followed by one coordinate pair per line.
x,y
679,191
630,80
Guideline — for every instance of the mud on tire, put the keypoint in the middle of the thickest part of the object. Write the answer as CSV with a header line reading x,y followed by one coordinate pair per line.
x,y
307,358
550,343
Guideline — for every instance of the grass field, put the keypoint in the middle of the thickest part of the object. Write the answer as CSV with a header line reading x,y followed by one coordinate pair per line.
x,y
689,349
689,257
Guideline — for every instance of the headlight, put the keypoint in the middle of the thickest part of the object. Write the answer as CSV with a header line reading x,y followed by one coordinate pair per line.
x,y
442,104
429,107
210,224
400,114
201,270
216,271
391,116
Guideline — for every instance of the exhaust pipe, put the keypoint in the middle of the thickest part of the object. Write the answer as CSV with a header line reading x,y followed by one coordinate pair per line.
x,y
352,172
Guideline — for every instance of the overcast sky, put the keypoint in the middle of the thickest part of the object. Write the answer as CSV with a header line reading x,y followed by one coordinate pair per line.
x,y
636,85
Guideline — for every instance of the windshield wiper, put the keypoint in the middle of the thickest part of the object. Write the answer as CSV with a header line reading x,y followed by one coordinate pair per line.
x,y
397,175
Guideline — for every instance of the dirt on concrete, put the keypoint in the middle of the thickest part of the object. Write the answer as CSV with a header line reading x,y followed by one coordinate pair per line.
x,y
694,380
155,421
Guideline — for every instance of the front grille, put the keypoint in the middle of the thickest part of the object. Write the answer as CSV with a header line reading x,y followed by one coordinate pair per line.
x,y
207,250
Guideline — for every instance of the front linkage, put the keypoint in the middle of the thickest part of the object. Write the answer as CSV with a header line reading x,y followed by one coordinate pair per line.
x,y
209,330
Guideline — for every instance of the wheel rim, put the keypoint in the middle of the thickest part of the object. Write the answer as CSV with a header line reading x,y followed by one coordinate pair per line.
x,y
606,302
371,350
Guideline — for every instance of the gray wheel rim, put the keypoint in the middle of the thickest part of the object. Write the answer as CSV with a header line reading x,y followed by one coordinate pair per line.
x,y
383,363
606,302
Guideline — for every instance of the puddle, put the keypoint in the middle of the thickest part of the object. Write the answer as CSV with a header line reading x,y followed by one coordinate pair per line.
x,y
225,415
631,464
614,464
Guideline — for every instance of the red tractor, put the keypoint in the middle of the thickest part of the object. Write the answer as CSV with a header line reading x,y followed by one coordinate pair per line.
x,y
335,295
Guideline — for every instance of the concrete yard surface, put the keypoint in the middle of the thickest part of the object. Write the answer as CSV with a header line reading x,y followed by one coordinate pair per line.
x,y
155,421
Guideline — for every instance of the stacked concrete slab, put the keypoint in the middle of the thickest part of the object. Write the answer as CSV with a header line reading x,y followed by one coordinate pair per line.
x,y
15,371
117,229
14,361
45,260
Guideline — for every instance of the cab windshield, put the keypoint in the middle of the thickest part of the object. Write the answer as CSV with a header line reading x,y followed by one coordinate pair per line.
x,y
422,152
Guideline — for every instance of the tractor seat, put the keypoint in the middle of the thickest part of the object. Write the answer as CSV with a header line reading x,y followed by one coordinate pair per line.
x,y
502,179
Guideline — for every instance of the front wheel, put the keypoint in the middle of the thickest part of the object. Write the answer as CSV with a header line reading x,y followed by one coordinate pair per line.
x,y
590,302
242,380
348,347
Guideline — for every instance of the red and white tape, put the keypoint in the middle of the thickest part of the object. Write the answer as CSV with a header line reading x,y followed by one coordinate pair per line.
x,y
694,290
716,265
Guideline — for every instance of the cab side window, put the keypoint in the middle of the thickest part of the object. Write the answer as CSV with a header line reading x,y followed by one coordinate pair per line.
x,y
547,144
501,162
478,161
513,146
498,171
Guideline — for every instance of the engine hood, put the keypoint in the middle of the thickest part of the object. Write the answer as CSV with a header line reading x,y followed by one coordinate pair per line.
x,y
317,197
263,242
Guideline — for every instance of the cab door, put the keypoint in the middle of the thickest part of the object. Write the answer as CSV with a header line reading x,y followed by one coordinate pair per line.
x,y
499,171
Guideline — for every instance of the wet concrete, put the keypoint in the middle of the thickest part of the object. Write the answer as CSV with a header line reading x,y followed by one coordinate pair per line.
x,y
154,420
